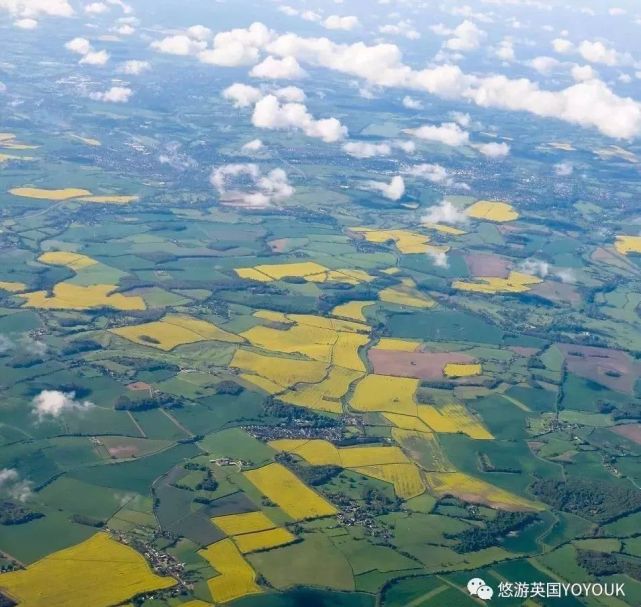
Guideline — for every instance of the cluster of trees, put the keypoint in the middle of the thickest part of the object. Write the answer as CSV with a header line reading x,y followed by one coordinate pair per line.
x,y
12,513
125,403
601,564
478,538
300,415
487,465
598,501
310,475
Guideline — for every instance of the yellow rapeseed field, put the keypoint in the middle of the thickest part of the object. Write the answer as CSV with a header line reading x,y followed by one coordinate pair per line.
x,y
238,524
516,282
406,422
406,478
472,489
98,572
499,212
353,310
445,229
406,242
398,345
236,576
450,419
175,330
12,287
67,296
309,270
285,372
109,199
263,540
406,294
461,370
385,394
286,490
324,395
628,244
261,382
74,261
44,194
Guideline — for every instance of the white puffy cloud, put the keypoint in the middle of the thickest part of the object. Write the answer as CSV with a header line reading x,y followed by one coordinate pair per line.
x,y
290,93
581,73
271,68
394,190
116,94
238,46
180,44
252,146
494,149
466,37
95,58
562,46
81,46
35,8
13,487
269,113
124,30
505,50
434,173
544,64
199,32
409,147
334,22
245,183
445,212
617,11
448,133
402,28
439,258
362,149
411,103
242,95
535,267
96,8
597,52
53,403
26,23
563,169
461,118
134,67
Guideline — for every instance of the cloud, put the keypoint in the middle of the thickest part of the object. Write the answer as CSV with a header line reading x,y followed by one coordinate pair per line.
x,y
269,113
81,46
362,149
394,190
175,158
563,169
179,44
13,487
590,104
544,64
334,22
95,58
562,46
439,258
271,68
445,212
494,149
466,37
535,267
597,52
238,46
402,28
290,93
252,146
134,67
246,182
448,133
26,23
505,50
242,95
96,8
411,103
566,275
53,403
116,94
199,32
434,173
5,344
35,8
